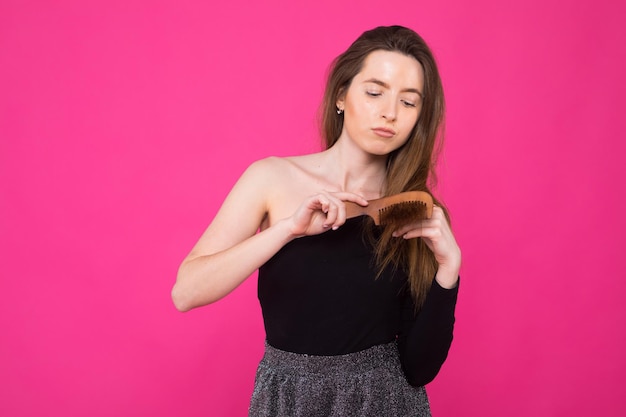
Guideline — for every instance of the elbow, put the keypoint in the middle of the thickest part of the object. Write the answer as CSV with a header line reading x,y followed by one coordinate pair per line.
x,y
182,295
421,368
423,372
180,300
187,297
187,293
419,379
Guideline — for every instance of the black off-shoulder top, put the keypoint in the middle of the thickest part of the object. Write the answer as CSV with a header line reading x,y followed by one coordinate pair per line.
x,y
319,295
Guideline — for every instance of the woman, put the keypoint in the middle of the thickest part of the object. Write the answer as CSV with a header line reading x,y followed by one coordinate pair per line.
x,y
358,318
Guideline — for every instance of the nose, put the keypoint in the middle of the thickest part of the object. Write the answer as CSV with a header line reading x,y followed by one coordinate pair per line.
x,y
389,110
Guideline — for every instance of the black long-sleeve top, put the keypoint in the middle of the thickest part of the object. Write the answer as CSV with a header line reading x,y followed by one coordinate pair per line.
x,y
320,296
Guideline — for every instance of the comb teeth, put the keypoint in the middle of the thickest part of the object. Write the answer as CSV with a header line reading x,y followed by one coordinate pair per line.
x,y
402,213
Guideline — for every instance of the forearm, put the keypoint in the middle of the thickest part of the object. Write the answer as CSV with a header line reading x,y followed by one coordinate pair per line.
x,y
426,341
205,279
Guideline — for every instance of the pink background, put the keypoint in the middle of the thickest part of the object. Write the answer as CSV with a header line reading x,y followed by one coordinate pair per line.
x,y
123,124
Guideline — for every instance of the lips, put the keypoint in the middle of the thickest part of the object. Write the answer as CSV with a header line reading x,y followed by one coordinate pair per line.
x,y
384,132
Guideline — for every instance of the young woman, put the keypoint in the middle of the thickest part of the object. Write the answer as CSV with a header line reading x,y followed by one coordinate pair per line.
x,y
358,317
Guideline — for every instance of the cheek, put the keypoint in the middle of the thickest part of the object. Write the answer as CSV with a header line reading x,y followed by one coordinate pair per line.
x,y
405,139
411,120
364,108
362,114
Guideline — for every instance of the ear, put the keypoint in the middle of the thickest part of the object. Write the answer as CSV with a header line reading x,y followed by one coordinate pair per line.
x,y
341,98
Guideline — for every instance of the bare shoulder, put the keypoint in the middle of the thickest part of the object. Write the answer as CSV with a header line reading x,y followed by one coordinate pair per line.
x,y
285,171
270,166
288,162
287,181
304,162
268,175
269,180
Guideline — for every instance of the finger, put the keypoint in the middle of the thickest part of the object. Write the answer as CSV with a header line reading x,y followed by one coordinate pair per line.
x,y
402,230
341,217
323,203
346,196
331,215
337,213
435,222
437,219
424,232
438,214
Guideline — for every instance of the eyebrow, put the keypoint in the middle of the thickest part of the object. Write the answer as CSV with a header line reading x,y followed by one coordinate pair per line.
x,y
385,85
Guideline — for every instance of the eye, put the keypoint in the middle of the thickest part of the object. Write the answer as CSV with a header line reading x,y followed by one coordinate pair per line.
x,y
408,103
373,93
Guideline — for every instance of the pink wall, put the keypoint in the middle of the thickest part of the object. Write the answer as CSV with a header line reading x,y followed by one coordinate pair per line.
x,y
124,123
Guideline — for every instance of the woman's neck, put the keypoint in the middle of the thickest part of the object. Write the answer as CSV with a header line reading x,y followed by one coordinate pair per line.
x,y
356,171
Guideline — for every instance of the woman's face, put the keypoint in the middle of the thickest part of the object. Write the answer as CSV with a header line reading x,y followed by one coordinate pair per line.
x,y
383,102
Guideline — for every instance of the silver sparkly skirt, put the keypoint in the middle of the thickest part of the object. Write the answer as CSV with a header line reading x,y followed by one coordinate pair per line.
x,y
365,383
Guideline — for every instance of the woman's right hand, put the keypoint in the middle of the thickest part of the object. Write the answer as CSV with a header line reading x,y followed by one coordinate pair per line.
x,y
321,212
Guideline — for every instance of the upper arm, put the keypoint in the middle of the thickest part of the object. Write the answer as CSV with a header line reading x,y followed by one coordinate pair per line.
x,y
241,213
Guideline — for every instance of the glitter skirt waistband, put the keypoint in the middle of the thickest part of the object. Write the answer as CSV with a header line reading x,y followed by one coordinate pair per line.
x,y
357,362
365,383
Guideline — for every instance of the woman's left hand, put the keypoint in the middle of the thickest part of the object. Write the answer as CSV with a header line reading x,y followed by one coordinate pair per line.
x,y
437,235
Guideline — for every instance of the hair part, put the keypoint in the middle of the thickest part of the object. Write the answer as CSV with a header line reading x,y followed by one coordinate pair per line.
x,y
410,167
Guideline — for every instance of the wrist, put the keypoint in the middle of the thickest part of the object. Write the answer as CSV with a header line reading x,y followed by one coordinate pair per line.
x,y
447,277
286,229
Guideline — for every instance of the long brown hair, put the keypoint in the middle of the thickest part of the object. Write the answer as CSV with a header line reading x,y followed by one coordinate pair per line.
x,y
412,166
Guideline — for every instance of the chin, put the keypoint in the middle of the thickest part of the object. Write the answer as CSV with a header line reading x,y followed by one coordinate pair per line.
x,y
383,150
379,152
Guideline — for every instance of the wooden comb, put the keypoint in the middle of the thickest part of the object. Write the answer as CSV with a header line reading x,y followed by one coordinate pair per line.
x,y
396,209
